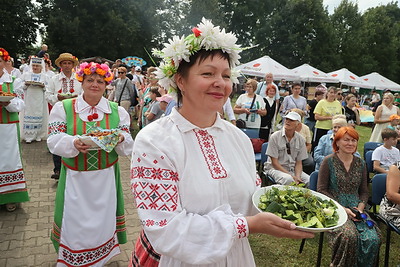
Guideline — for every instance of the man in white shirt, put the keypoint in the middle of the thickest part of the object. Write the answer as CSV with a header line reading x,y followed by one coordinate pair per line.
x,y
62,86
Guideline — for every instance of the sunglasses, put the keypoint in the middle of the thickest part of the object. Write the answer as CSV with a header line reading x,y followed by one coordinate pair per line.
x,y
370,224
339,93
120,72
288,148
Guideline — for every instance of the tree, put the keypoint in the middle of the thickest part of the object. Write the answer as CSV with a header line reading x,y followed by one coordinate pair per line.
x,y
347,22
18,26
89,28
380,31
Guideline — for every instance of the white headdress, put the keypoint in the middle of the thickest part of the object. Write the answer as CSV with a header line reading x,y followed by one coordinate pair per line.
x,y
205,36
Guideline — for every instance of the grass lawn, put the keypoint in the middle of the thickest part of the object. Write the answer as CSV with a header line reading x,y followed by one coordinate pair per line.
x,y
271,251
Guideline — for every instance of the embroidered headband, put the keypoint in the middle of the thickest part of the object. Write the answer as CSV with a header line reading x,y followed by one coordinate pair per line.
x,y
91,68
205,36
4,54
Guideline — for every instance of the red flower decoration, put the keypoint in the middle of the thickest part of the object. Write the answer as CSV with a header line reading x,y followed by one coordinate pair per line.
x,y
71,90
95,116
196,31
59,91
90,117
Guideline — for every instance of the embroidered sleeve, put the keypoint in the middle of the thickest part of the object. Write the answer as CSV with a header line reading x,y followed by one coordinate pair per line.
x,y
124,148
172,230
59,142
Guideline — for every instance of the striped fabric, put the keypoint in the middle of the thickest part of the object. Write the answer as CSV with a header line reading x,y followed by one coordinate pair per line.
x,y
144,254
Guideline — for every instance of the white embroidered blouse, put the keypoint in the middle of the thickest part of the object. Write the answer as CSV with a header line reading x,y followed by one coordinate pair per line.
x,y
192,188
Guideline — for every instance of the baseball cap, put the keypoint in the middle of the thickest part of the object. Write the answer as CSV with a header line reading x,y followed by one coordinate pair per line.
x,y
138,68
294,116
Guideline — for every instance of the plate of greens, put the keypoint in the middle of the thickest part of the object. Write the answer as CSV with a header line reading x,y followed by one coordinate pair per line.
x,y
309,210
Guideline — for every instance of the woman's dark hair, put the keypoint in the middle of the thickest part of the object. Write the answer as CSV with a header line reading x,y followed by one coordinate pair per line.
x,y
198,57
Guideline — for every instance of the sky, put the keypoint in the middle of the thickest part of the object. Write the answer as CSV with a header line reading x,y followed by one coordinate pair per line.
x,y
363,5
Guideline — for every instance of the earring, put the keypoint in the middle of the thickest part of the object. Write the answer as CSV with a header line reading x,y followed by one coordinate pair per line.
x,y
182,92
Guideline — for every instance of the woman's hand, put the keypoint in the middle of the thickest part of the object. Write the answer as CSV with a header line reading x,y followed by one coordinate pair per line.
x,y
351,215
121,138
270,224
81,147
246,110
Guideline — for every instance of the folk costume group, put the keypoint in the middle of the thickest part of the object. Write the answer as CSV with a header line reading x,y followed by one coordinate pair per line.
x,y
192,173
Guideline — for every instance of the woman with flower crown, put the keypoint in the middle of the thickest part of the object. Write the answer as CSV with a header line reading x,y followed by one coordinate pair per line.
x,y
89,219
192,173
34,118
13,185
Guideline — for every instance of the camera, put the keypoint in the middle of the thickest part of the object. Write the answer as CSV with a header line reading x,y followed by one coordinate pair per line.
x,y
253,110
357,213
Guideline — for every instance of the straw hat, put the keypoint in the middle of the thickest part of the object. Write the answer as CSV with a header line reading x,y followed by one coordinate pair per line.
x,y
68,57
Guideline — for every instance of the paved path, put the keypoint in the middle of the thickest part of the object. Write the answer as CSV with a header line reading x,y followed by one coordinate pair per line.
x,y
25,233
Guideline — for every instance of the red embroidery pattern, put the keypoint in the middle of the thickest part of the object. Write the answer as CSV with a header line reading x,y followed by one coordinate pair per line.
x,y
88,256
210,154
65,86
57,127
241,227
11,178
124,128
258,179
150,222
159,196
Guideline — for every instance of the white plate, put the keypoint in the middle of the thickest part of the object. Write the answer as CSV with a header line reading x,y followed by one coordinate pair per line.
x,y
6,98
88,141
340,210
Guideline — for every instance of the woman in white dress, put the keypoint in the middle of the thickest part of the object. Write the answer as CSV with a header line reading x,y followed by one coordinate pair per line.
x,y
89,222
193,173
35,117
382,115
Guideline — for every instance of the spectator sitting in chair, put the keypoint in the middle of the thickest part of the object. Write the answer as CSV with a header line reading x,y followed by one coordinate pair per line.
x,y
286,151
387,154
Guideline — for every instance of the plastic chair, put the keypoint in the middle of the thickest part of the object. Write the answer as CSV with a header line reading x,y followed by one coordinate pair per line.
x,y
251,133
378,192
313,186
370,146
369,162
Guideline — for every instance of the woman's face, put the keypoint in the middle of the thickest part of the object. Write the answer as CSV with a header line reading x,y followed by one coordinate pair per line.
x,y
2,63
207,85
153,80
335,128
249,88
331,95
93,86
36,68
269,78
296,90
387,100
351,102
347,144
271,93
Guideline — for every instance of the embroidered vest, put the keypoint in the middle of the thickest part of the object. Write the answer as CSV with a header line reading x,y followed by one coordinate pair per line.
x,y
7,117
96,159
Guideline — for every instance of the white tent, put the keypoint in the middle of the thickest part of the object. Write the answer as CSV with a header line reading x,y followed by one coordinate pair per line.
x,y
308,73
380,82
263,65
346,77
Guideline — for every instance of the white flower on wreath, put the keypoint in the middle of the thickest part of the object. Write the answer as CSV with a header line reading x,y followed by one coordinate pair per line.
x,y
177,49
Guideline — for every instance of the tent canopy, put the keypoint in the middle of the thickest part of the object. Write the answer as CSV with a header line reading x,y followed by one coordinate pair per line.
x,y
308,73
346,77
263,65
380,82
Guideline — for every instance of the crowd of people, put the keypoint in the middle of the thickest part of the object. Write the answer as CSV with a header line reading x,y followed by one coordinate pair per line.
x,y
192,168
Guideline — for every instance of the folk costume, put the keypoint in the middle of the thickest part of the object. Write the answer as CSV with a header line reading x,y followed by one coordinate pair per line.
x,y
34,119
89,219
12,180
219,162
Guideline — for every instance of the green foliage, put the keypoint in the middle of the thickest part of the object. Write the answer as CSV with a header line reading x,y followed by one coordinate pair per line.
x,y
18,26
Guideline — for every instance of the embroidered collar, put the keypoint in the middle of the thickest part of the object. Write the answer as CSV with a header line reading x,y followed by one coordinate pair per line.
x,y
61,76
81,105
185,126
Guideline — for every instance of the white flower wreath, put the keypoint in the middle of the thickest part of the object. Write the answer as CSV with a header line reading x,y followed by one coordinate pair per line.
x,y
205,36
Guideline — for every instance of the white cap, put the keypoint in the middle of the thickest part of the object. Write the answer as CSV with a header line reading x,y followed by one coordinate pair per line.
x,y
138,68
294,116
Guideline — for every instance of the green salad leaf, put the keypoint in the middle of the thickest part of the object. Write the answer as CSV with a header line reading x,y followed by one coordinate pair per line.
x,y
300,207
